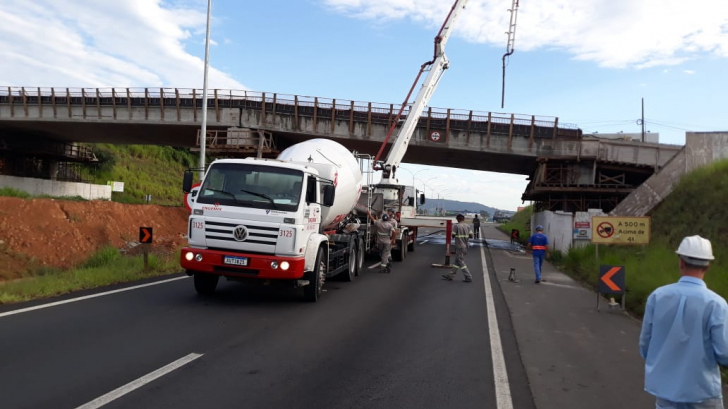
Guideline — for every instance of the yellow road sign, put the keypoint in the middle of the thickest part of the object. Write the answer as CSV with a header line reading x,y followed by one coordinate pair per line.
x,y
620,230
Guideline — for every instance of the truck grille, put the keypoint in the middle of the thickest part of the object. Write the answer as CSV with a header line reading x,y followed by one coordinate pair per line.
x,y
255,234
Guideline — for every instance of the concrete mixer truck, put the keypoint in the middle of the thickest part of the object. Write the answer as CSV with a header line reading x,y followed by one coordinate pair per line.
x,y
287,220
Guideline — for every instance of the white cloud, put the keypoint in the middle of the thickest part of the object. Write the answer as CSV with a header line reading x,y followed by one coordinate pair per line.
x,y
689,72
612,33
89,43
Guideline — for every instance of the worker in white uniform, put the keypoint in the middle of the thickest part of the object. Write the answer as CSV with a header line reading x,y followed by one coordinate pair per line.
x,y
385,231
461,232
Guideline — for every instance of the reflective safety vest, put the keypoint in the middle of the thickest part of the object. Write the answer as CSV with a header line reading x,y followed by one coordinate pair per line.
x,y
461,232
539,241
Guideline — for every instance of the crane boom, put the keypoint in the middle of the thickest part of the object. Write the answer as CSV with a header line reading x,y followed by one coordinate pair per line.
x,y
436,68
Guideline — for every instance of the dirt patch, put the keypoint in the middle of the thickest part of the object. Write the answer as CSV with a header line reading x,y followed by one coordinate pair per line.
x,y
61,234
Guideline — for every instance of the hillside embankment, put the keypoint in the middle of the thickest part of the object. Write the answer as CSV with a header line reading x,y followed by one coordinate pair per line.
x,y
48,234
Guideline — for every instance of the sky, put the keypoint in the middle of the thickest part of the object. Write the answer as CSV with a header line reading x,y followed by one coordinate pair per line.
x,y
589,63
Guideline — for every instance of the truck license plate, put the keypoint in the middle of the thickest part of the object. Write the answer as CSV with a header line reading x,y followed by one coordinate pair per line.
x,y
236,261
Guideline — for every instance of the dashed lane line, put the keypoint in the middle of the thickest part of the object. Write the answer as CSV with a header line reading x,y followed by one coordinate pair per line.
x,y
134,385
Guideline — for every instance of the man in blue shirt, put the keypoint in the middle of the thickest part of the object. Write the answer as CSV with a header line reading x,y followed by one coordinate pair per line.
x,y
685,335
538,243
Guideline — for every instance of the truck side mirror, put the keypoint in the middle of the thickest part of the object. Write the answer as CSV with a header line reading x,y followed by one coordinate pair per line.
x,y
311,190
329,195
187,182
422,198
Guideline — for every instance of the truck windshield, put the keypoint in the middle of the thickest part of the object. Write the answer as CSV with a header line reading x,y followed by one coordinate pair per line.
x,y
249,185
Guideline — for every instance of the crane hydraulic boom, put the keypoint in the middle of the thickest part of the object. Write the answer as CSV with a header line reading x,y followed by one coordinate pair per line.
x,y
436,68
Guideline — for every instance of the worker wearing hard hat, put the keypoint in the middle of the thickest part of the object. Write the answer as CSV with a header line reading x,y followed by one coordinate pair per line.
x,y
538,243
461,231
685,335
385,239
392,217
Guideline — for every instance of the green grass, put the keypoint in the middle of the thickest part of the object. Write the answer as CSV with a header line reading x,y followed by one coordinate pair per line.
x,y
107,266
520,221
10,192
144,169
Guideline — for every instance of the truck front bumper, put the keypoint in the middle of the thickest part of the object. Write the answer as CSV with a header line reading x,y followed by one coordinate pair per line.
x,y
241,264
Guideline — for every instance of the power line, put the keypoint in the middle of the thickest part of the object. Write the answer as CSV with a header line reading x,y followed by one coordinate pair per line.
x,y
667,126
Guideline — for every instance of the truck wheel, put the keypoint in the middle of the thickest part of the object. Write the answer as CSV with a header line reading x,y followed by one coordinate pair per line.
x,y
403,251
397,254
312,291
350,272
205,284
360,256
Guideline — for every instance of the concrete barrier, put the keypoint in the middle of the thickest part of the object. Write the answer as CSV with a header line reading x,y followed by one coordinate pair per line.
x,y
701,148
56,188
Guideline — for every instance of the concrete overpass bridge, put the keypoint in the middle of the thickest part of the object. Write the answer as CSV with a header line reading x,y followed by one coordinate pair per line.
x,y
568,171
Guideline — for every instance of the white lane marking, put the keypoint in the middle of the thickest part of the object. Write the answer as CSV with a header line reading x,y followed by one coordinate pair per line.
x,y
131,386
375,265
424,241
86,297
503,398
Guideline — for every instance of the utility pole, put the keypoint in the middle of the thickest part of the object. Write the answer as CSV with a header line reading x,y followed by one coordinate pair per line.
x,y
203,131
643,120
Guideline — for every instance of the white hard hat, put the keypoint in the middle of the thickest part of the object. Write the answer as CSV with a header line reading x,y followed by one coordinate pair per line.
x,y
696,250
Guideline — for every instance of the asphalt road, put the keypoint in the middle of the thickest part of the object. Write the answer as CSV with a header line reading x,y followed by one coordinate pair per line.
x,y
401,340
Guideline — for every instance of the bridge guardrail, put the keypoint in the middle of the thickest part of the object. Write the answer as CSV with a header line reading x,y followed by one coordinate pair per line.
x,y
324,108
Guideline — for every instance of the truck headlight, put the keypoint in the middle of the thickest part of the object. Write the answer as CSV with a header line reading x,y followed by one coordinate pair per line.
x,y
274,265
284,265
189,256
198,257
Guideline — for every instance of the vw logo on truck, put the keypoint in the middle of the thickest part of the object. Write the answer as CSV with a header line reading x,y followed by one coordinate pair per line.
x,y
240,233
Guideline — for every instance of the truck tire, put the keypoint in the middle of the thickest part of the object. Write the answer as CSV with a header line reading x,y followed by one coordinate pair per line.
x,y
400,253
350,272
313,290
360,255
205,284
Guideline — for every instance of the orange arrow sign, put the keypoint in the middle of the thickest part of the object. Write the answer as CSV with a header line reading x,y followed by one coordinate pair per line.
x,y
145,234
607,278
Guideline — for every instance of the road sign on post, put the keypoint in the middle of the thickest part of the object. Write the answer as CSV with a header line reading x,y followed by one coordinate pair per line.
x,y
145,235
611,279
620,230
145,238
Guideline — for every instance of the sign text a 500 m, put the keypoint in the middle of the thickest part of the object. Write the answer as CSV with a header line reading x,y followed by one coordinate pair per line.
x,y
620,230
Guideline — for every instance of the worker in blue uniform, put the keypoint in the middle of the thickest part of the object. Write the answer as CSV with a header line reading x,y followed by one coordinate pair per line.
x,y
538,243
685,335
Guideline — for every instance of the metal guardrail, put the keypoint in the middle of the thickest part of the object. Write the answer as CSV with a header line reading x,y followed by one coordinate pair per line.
x,y
63,99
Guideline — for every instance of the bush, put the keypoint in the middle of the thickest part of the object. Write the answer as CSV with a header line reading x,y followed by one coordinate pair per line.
x,y
104,257
11,192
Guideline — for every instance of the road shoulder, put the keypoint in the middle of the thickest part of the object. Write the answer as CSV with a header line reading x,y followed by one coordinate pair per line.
x,y
575,357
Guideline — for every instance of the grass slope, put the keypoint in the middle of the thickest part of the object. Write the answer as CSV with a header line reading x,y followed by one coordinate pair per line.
x,y
145,170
